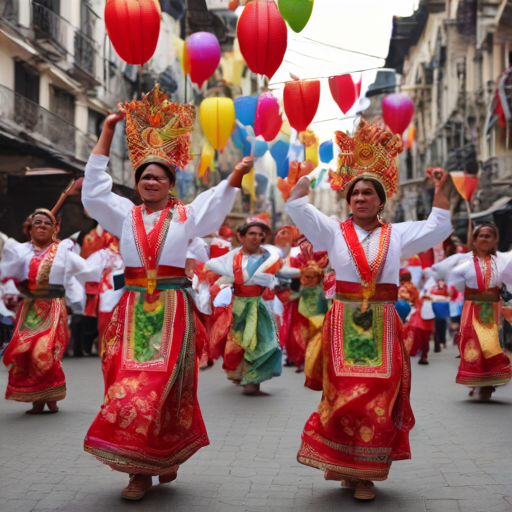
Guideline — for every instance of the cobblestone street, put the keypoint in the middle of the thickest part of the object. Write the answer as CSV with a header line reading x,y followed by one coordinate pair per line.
x,y
462,451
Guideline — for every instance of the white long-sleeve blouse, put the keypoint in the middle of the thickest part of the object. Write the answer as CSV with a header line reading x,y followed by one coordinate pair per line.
x,y
407,239
204,215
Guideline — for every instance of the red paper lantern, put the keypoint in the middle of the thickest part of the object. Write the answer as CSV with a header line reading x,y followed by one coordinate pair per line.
x,y
133,26
268,120
301,99
397,111
263,37
344,91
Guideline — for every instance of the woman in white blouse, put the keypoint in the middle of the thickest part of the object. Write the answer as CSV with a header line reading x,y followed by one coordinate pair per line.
x,y
480,274
364,417
150,421
46,271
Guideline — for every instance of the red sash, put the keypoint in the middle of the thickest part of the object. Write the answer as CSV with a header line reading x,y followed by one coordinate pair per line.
x,y
483,281
237,267
149,246
40,267
366,273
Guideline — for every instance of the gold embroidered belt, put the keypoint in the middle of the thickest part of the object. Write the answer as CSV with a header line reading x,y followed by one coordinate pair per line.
x,y
166,277
353,292
475,295
46,292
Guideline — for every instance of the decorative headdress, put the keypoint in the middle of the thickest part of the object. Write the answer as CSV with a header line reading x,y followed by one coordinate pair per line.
x,y
309,261
158,131
371,153
48,213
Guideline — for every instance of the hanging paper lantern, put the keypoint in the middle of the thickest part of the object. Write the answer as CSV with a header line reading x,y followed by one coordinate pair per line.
x,y
397,111
245,109
202,56
206,161
279,153
301,100
344,91
239,136
296,13
258,147
217,116
268,120
133,27
326,151
466,184
263,36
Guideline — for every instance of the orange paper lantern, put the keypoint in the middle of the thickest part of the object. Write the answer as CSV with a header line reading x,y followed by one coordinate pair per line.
x,y
133,26
301,100
263,37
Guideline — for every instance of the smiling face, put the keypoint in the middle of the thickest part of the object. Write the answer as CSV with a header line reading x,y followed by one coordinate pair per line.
x,y
42,229
252,240
365,201
485,240
154,184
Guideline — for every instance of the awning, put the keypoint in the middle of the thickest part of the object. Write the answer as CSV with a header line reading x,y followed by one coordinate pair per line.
x,y
496,206
24,46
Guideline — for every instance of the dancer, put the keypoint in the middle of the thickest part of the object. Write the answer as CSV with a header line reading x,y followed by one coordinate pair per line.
x,y
481,274
364,417
45,270
150,421
252,354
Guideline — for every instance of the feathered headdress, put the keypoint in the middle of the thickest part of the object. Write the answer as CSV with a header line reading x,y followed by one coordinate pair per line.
x,y
309,261
158,131
371,153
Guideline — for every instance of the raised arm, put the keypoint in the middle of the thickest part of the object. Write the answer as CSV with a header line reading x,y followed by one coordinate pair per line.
x,y
109,209
210,208
313,224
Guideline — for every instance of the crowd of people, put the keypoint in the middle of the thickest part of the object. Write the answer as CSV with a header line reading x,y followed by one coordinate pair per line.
x,y
169,288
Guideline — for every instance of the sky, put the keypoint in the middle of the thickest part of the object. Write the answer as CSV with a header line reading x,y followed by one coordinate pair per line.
x,y
360,25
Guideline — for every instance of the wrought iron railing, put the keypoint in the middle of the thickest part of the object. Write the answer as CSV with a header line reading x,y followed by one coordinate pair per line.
x,y
66,38
9,10
22,115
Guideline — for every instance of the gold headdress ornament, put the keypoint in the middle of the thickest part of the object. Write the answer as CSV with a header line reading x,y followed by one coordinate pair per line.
x,y
371,153
158,131
48,213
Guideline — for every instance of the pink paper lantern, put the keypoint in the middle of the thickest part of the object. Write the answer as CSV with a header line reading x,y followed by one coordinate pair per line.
x,y
202,56
268,120
397,112
344,91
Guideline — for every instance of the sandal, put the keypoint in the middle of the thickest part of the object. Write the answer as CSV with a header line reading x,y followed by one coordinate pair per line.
x,y
139,485
365,491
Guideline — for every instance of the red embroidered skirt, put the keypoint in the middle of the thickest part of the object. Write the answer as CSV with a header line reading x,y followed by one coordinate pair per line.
x,y
294,333
364,417
150,419
39,341
482,361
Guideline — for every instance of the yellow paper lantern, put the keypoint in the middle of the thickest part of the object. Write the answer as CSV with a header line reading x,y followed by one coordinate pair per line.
x,y
217,116
248,185
179,46
206,161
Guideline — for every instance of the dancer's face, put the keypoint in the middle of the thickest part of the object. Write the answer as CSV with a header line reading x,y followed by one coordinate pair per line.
x,y
252,240
42,229
365,202
154,184
485,240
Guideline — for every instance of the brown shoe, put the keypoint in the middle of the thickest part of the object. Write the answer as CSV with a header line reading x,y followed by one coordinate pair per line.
x,y
139,485
168,477
365,491
251,389
349,484
486,392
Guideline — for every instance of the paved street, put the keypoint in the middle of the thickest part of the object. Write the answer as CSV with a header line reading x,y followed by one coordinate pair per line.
x,y
462,452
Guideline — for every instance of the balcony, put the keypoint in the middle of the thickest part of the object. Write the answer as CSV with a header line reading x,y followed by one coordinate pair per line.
x,y
66,43
9,10
22,117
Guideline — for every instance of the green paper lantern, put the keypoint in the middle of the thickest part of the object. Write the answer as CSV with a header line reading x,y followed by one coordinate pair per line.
x,y
296,13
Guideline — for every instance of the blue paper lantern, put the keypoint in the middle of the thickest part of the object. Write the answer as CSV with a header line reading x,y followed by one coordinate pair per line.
x,y
259,148
283,169
245,109
326,151
239,136
247,148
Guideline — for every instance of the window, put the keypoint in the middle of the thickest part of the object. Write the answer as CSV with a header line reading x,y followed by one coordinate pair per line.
x,y
95,122
26,81
62,103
